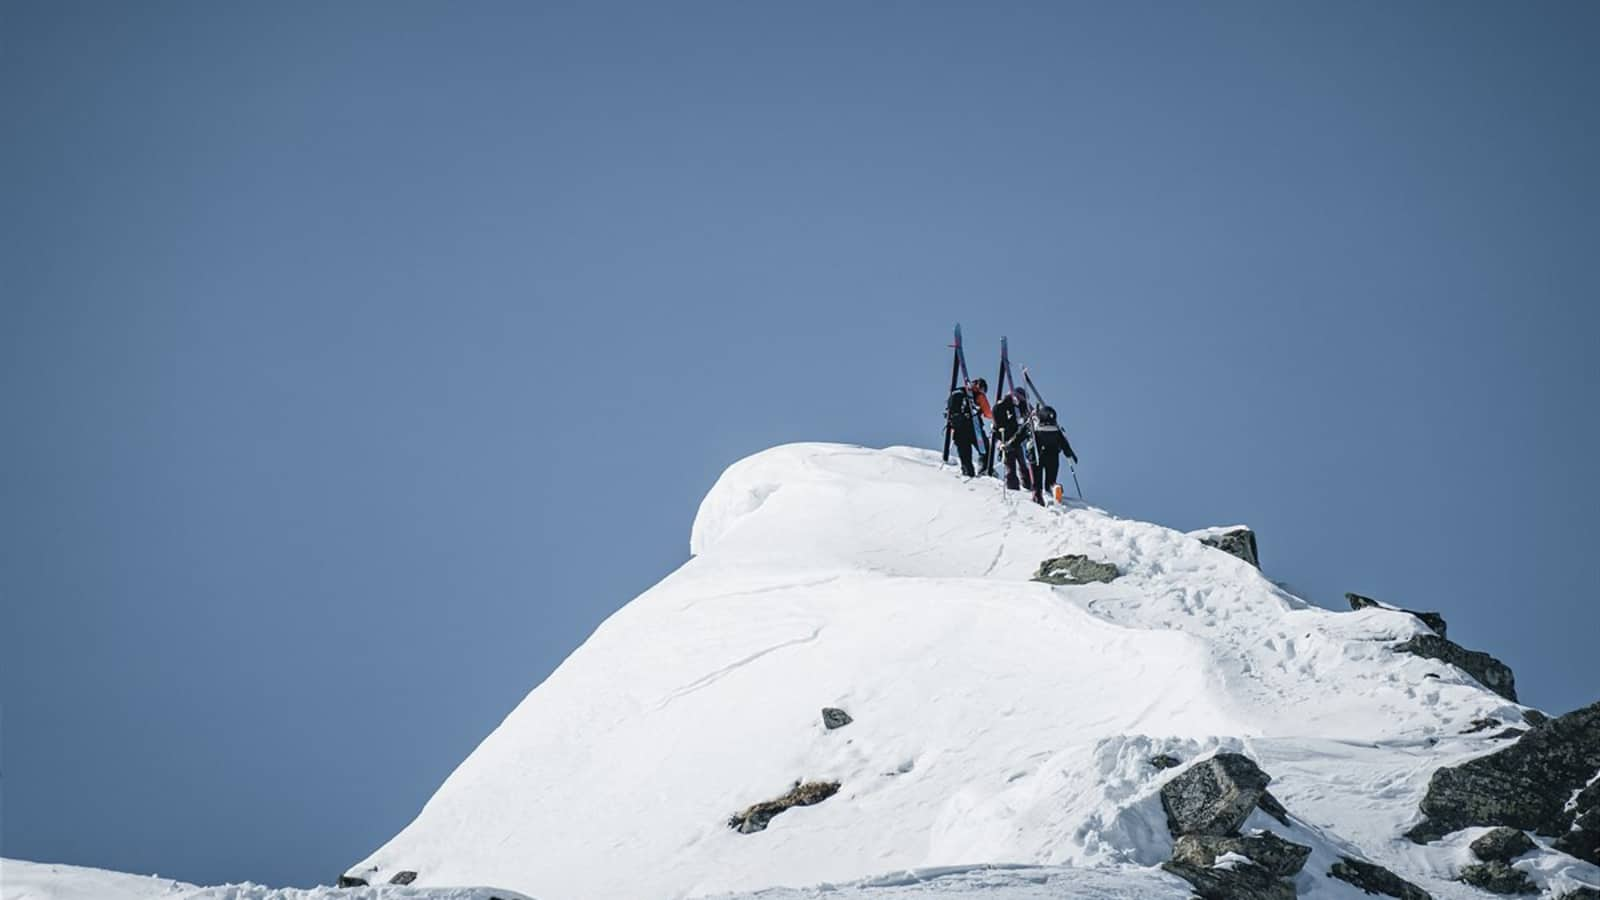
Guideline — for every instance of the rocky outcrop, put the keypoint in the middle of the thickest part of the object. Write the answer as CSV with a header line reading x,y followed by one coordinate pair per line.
x,y
1240,542
1526,785
350,881
755,818
1583,841
1270,805
1375,879
833,717
1498,878
1075,569
1431,619
1489,672
1278,856
1242,881
1502,845
1213,796
1583,893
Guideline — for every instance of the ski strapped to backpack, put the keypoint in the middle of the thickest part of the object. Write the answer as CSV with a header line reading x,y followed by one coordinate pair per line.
x,y
959,367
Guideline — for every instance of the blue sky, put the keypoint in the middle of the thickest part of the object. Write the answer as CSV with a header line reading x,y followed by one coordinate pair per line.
x,y
357,359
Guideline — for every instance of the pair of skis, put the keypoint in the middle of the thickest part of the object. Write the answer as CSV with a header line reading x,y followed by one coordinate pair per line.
x,y
958,367
1040,398
1003,383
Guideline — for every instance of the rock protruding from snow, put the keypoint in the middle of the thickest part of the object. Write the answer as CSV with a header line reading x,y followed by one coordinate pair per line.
x,y
756,818
1239,881
1527,785
1213,796
834,717
1433,620
405,877
1278,856
1488,671
1502,844
1375,879
1162,761
1498,878
1238,540
1074,569
1583,841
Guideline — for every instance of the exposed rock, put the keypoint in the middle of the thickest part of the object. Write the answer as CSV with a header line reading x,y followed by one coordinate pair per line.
x,y
1480,725
1583,893
1498,878
756,817
1075,569
1239,882
1270,805
1502,844
403,878
1583,841
1375,879
1534,717
1213,796
1165,761
1265,849
1431,619
833,717
1240,542
1504,733
1490,672
350,881
1526,785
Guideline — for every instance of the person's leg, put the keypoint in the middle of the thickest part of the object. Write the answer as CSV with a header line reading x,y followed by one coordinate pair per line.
x,y
1052,469
1011,469
1038,484
964,442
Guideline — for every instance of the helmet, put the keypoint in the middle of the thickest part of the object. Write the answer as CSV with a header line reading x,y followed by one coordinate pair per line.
x,y
1020,394
980,385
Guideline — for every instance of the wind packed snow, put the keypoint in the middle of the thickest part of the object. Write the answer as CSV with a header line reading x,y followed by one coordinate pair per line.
x,y
41,881
997,722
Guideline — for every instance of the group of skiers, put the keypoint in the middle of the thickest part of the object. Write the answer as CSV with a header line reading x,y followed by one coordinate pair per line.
x,y
1026,438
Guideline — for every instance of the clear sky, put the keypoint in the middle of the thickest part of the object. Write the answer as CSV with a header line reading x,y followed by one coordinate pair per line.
x,y
358,358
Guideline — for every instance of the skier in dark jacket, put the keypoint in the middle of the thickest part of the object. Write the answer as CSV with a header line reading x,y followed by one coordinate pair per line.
x,y
1052,444
1010,425
966,403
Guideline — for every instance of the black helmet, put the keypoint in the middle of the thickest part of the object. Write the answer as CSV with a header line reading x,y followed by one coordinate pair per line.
x,y
1020,393
1047,415
980,385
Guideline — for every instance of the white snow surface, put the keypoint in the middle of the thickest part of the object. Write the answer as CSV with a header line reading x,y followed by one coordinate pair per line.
x,y
1002,728
21,880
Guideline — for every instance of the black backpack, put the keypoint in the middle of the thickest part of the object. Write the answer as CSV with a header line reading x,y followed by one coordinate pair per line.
x,y
961,406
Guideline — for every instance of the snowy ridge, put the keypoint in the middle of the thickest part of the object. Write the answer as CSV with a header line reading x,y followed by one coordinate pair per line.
x,y
42,881
998,722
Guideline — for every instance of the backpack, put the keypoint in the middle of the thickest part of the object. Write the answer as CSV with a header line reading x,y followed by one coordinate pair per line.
x,y
960,407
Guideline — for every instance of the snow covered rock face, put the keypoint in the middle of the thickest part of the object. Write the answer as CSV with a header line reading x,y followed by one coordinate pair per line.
x,y
998,721
1073,569
1238,541
1490,672
1433,620
1527,785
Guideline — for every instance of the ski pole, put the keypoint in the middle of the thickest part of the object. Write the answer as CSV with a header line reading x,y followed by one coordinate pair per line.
x,y
1074,470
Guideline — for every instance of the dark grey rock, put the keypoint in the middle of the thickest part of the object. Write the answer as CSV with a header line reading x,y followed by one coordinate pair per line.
x,y
1075,569
1278,856
1480,725
1431,619
1502,844
1375,879
1504,733
1583,841
1534,717
1240,542
833,717
1213,796
1583,893
1498,878
1240,882
350,881
1525,785
1165,761
1490,672
403,878
755,818
1270,805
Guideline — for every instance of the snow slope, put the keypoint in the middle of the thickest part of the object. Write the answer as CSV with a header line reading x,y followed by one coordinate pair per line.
x,y
997,721
42,881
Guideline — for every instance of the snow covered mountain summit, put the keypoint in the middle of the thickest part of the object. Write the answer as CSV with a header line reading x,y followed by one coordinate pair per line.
x,y
987,718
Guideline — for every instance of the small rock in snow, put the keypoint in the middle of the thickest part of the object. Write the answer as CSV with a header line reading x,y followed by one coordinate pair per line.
x,y
403,877
1075,569
1238,882
1240,542
1375,879
1503,844
1165,761
756,817
833,717
1498,878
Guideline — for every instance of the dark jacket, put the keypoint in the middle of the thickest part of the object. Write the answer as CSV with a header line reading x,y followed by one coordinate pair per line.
x,y
1009,419
959,411
1051,440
